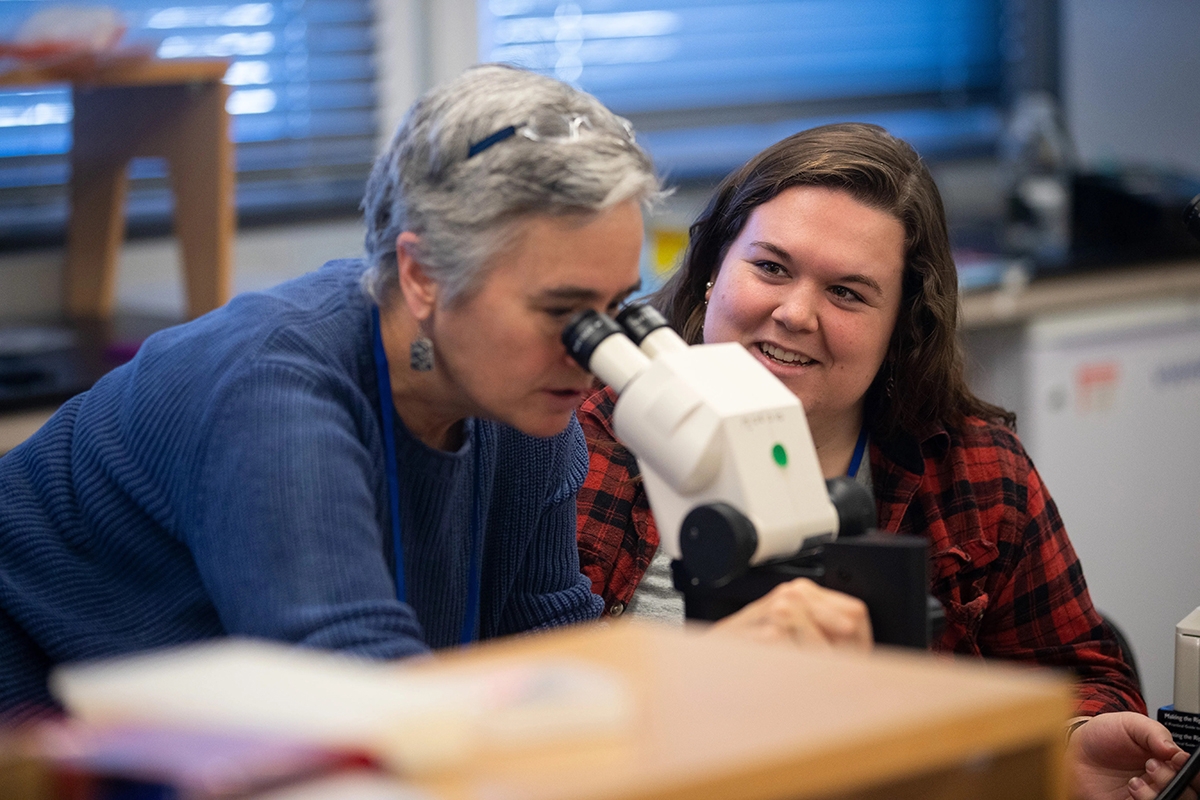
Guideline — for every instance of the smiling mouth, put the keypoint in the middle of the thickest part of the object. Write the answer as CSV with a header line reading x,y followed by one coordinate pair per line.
x,y
780,356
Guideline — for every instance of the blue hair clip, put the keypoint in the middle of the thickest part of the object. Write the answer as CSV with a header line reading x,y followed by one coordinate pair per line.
x,y
498,136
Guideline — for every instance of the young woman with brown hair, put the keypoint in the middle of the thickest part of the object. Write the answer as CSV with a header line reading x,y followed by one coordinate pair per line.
x,y
827,256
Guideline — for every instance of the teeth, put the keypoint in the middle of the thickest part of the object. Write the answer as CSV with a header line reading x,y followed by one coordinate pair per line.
x,y
786,356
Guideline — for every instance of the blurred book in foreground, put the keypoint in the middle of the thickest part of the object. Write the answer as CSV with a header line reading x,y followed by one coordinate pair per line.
x,y
409,720
72,760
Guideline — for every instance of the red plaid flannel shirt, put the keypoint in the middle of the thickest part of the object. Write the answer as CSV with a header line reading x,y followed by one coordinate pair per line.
x,y
1001,564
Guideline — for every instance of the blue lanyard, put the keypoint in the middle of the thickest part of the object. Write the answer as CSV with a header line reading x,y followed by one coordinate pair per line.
x,y
388,410
859,449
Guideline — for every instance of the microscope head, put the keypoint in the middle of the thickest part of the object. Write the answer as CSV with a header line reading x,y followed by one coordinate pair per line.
x,y
723,446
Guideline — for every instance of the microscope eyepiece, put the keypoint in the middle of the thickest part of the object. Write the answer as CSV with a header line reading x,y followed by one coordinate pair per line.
x,y
584,333
640,320
1191,217
649,330
601,347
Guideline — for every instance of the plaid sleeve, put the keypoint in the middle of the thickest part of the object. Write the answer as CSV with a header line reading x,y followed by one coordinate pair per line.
x,y
1021,578
616,533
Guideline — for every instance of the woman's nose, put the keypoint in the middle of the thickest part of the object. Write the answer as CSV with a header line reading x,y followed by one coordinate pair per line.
x,y
797,311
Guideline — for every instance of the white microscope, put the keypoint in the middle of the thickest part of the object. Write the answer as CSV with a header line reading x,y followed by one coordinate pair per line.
x,y
732,476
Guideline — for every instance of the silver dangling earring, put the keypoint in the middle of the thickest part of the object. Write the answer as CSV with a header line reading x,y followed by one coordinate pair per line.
x,y
707,291
420,353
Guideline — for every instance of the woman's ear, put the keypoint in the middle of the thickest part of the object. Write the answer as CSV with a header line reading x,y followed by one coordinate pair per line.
x,y
417,287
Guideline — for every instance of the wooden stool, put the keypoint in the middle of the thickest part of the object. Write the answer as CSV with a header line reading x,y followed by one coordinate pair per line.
x,y
126,108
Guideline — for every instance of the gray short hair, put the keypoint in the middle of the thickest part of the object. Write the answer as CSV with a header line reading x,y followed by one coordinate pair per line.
x,y
462,207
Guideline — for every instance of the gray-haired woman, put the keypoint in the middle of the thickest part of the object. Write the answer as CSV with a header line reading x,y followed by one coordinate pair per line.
x,y
379,457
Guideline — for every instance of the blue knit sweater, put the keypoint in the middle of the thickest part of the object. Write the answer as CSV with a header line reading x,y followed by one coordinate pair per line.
x,y
230,480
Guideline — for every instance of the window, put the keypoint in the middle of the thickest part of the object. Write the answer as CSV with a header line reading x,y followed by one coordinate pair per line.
x,y
709,83
302,100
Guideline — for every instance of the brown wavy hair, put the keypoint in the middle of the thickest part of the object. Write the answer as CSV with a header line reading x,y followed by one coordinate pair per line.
x,y
921,381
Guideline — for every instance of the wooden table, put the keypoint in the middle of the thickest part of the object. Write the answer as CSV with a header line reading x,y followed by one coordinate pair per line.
x,y
129,107
724,718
